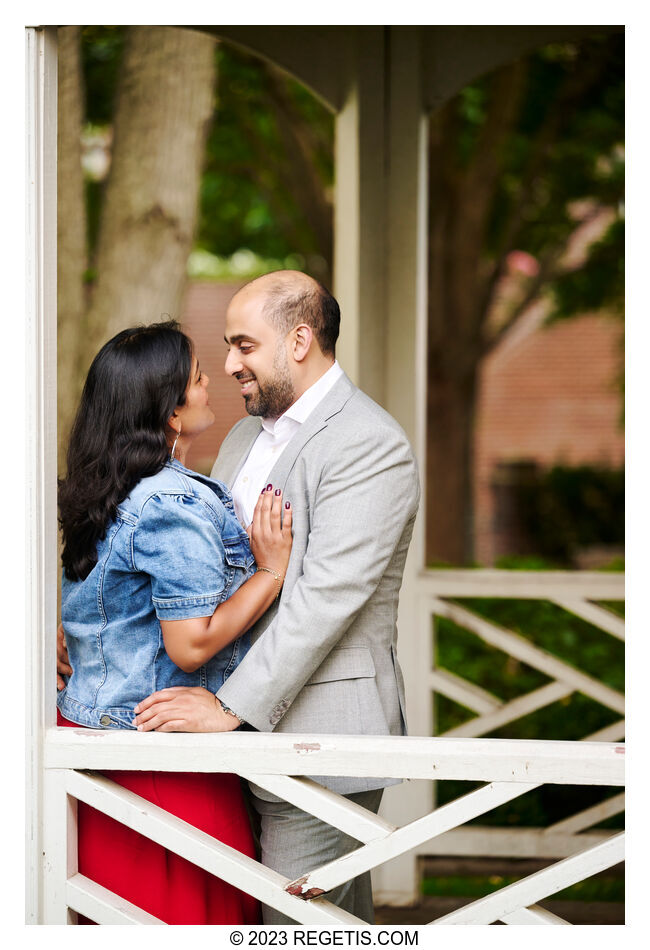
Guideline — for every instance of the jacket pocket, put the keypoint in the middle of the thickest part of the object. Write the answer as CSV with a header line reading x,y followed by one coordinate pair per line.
x,y
344,663
237,553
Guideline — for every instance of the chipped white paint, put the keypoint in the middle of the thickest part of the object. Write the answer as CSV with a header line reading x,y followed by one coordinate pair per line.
x,y
194,845
501,760
482,759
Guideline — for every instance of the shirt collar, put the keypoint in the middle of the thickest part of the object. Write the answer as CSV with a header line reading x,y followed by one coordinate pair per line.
x,y
302,407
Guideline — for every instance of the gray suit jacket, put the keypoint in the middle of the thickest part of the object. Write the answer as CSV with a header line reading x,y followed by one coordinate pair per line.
x,y
327,661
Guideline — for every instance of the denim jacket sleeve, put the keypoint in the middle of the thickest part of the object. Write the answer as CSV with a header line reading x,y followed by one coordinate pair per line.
x,y
178,544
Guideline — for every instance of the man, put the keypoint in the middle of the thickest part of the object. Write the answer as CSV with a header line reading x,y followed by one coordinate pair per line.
x,y
326,661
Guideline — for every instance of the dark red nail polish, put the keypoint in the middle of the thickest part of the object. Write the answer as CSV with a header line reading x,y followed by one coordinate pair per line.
x,y
269,487
287,504
277,491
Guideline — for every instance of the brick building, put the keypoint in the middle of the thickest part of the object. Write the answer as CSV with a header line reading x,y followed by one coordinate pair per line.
x,y
548,395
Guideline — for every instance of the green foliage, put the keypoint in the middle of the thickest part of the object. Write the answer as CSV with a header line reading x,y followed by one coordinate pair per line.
x,y
101,55
593,889
600,283
246,199
561,634
561,159
568,507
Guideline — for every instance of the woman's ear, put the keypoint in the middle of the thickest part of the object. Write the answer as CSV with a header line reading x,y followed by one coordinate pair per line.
x,y
303,337
174,423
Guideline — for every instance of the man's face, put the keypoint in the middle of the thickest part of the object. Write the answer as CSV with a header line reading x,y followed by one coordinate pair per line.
x,y
257,357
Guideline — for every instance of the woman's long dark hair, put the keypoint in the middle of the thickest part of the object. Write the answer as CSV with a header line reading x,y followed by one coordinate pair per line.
x,y
118,437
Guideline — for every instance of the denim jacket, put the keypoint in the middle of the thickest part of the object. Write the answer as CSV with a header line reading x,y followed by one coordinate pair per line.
x,y
175,550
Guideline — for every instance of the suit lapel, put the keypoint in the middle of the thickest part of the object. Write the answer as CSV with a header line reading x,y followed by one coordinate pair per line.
x,y
329,406
235,451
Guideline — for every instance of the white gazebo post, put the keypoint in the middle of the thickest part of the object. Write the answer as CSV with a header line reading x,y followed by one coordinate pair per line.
x,y
380,282
41,567
360,212
405,341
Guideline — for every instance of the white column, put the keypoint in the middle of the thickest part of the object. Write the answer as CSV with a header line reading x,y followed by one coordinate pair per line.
x,y
41,566
406,401
360,212
59,848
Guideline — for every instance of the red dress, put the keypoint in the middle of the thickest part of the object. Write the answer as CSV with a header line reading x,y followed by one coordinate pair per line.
x,y
155,879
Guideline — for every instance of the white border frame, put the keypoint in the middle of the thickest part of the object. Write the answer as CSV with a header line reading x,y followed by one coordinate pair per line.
x,y
40,424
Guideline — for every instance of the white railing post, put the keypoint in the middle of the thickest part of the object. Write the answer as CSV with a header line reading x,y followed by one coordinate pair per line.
x,y
40,401
59,847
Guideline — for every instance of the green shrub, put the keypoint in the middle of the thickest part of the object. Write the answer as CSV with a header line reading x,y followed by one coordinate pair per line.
x,y
564,509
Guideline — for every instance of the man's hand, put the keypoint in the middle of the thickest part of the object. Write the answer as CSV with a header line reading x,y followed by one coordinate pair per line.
x,y
63,667
183,709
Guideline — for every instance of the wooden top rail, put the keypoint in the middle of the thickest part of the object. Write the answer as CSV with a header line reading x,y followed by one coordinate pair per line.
x,y
531,585
488,760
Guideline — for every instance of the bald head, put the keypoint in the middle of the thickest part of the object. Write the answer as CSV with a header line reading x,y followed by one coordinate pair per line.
x,y
292,298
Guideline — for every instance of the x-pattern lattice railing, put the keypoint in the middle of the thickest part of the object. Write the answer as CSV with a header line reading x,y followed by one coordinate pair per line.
x,y
575,592
280,764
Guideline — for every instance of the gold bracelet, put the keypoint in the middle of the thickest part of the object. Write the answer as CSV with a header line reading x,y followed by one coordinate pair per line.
x,y
279,578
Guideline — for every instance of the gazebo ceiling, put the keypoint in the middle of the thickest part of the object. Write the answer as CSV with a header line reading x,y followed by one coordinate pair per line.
x,y
323,57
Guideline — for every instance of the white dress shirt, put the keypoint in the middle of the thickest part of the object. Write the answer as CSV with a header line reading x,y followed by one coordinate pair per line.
x,y
271,443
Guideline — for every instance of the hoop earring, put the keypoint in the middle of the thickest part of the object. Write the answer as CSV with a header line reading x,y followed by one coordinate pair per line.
x,y
174,445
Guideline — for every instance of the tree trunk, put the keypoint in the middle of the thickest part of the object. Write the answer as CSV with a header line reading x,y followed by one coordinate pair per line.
x,y
450,464
454,344
71,232
164,106
460,204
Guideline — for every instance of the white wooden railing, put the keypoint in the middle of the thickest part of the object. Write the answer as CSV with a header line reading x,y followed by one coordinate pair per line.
x,y
388,845
435,594
277,762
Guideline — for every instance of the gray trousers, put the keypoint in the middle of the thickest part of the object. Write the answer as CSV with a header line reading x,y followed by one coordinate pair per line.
x,y
293,842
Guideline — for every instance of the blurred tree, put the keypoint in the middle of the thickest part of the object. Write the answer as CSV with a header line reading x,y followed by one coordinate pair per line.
x,y
267,184
135,269
526,190
71,229
526,186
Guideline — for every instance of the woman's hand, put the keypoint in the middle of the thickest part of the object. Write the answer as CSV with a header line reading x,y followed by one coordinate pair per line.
x,y
270,537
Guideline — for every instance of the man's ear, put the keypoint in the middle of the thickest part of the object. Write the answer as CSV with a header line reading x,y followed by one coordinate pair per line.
x,y
303,337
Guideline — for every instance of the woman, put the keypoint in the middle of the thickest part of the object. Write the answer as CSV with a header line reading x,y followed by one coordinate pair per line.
x,y
159,589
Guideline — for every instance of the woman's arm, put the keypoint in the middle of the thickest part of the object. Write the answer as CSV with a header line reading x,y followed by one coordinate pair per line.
x,y
191,643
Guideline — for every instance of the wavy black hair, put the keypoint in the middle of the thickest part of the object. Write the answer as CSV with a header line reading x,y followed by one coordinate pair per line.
x,y
118,437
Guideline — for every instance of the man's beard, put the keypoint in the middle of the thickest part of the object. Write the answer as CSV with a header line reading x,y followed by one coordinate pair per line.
x,y
273,397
